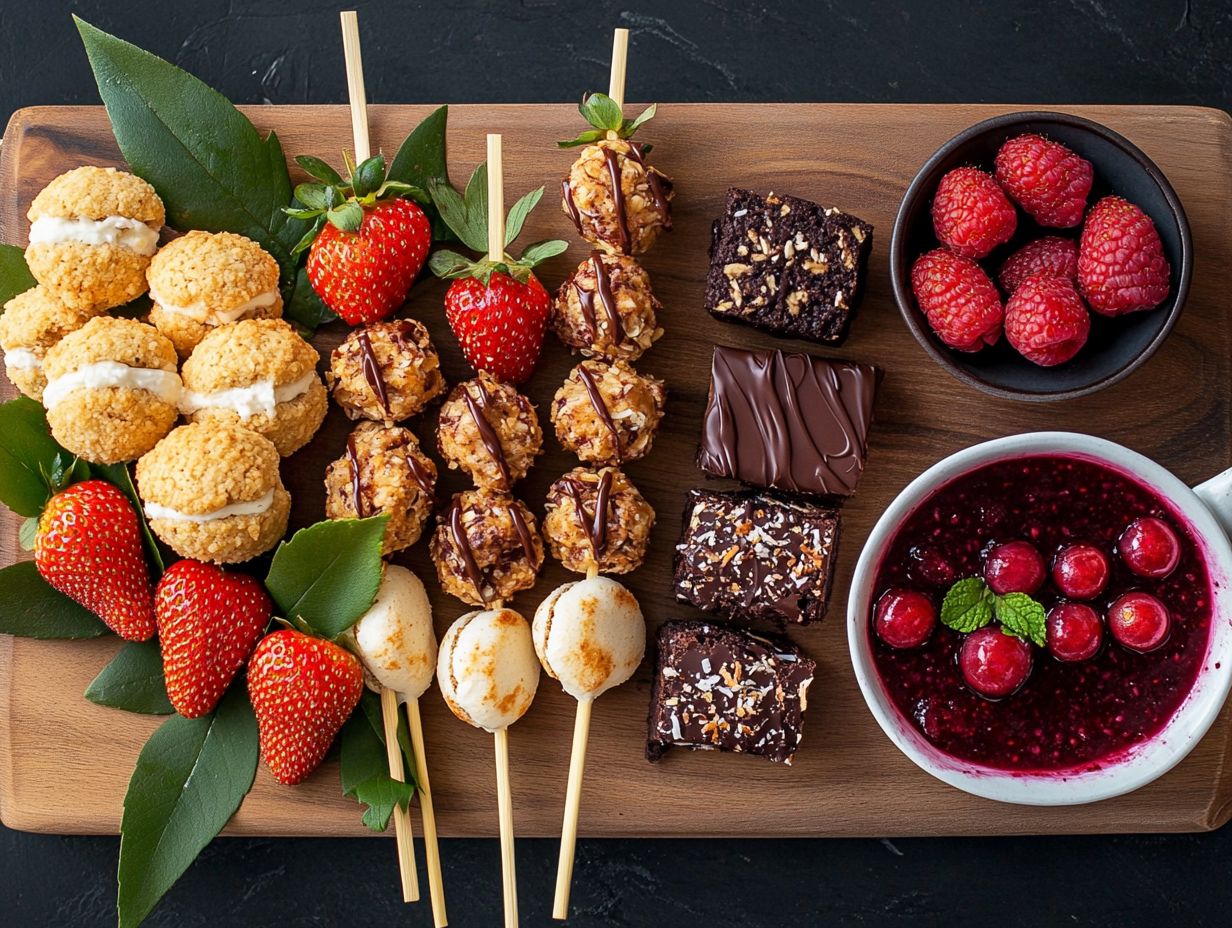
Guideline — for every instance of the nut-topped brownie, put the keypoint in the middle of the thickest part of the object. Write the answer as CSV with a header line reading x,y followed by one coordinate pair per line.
x,y
721,689
757,556
789,422
787,266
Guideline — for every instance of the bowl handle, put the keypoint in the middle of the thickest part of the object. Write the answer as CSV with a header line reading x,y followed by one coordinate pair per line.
x,y
1216,493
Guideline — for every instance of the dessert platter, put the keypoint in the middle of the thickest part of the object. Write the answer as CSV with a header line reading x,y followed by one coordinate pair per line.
x,y
826,465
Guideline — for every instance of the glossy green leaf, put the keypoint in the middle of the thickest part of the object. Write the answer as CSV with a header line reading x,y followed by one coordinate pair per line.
x,y
541,251
133,680
421,157
364,768
15,277
318,169
28,456
518,213
305,309
1021,615
29,608
968,605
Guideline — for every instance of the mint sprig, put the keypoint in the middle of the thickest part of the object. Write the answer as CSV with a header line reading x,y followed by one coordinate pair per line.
x,y
970,604
604,113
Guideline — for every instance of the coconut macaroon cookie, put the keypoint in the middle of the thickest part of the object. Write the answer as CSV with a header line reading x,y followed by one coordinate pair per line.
x,y
93,232
202,280
112,389
212,492
385,371
260,374
32,322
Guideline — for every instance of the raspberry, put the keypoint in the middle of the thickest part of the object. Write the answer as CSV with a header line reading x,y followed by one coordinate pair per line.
x,y
1051,256
962,305
1046,179
1046,322
971,214
1121,263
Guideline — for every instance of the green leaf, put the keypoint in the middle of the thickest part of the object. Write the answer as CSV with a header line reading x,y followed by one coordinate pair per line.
x,y
583,138
364,769
27,533
15,277
133,681
518,213
27,456
645,116
602,112
421,157
328,573
369,175
306,309
32,609
454,212
541,251
449,264
1021,615
314,196
190,778
348,217
968,605
120,475
318,169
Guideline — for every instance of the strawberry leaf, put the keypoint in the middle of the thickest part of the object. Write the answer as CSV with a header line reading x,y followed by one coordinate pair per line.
x,y
318,169
348,217
450,265
628,128
967,606
541,251
602,112
32,609
1021,615
583,138
133,681
518,213
455,212
15,277
476,200
369,176
27,534
316,197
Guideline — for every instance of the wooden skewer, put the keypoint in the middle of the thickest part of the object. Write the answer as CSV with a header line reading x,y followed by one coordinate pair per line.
x,y
355,85
620,57
496,200
436,884
402,817
504,806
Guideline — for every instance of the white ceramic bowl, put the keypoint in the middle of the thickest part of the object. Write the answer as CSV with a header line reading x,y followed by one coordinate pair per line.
x,y
1208,512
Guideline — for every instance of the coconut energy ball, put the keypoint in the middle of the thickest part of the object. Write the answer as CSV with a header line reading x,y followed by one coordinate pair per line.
x,y
202,280
93,232
490,431
32,322
486,547
607,309
212,491
260,374
112,389
623,218
383,472
608,413
385,371
597,517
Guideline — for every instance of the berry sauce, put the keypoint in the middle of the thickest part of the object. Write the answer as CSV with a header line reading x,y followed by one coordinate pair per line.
x,y
1068,716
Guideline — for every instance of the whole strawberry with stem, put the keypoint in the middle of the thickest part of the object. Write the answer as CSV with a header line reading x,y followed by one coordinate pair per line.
x,y
209,620
368,240
88,546
302,689
497,309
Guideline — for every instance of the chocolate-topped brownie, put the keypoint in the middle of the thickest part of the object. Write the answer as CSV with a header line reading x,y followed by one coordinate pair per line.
x,y
751,554
788,422
720,689
787,266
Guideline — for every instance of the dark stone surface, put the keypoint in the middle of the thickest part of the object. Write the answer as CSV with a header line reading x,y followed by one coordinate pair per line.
x,y
1141,51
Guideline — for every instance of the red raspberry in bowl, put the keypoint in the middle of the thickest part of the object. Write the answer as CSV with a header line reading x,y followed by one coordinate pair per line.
x,y
971,214
1081,571
1139,621
1121,263
1074,631
1015,567
905,618
1046,322
994,663
1050,256
1046,179
961,304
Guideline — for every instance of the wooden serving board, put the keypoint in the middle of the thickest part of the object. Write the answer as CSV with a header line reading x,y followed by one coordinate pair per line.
x,y
64,762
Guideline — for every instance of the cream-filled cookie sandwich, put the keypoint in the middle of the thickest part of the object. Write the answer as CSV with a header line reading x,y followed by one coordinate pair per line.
x,y
32,322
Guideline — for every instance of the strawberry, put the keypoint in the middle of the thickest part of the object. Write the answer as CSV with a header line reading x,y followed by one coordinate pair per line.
x,y
367,243
88,546
302,690
209,620
496,306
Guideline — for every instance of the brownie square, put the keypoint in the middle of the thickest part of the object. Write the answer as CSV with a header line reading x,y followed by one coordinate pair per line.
x,y
788,422
721,689
787,266
756,556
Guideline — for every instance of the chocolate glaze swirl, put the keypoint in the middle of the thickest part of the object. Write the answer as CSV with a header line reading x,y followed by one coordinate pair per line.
x,y
487,435
607,299
372,369
594,524
357,483
600,406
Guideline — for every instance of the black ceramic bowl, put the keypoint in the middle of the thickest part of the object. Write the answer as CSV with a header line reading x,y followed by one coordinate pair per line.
x,y
1116,346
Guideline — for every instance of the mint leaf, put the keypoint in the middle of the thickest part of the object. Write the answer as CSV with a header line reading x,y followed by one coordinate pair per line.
x,y
15,277
1021,615
518,213
190,778
32,609
28,456
120,475
328,574
364,768
133,681
967,606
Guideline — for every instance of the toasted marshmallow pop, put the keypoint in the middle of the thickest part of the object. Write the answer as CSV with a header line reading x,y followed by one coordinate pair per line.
x,y
487,669
395,639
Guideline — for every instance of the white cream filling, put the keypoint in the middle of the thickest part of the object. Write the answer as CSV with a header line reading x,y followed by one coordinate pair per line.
x,y
22,359
114,230
251,508
163,384
199,312
260,397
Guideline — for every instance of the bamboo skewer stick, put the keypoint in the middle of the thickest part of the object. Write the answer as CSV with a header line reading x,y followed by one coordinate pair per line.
x,y
496,200
402,817
355,85
620,57
504,806
436,883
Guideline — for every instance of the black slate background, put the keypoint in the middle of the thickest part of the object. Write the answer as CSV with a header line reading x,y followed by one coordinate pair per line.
x,y
1096,51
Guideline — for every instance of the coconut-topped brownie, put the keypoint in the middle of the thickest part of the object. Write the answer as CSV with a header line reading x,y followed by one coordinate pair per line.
x,y
202,280
112,389
32,322
258,373
787,266
93,232
212,491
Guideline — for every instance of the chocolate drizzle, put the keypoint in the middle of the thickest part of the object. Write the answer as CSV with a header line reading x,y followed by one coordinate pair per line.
x,y
357,483
605,415
594,524
463,545
571,208
524,535
612,157
657,181
487,435
419,473
372,369
603,288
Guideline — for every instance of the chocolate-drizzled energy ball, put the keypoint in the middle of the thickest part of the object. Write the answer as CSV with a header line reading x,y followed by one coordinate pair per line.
x,y
615,199
490,431
599,517
383,472
608,413
386,371
607,309
486,547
